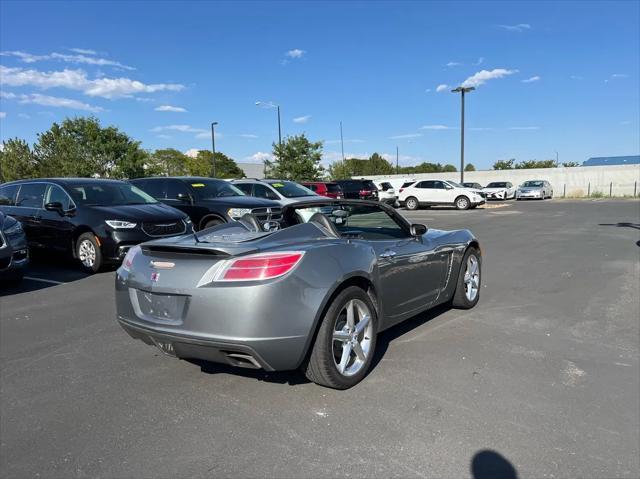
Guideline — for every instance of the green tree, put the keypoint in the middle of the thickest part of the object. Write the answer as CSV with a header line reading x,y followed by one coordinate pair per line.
x,y
504,164
16,160
167,162
81,147
295,159
449,168
226,167
469,167
525,165
570,164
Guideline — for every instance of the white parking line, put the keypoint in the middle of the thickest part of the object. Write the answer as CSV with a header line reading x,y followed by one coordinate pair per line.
x,y
31,278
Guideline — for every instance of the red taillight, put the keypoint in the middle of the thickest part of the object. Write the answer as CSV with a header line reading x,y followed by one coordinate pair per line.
x,y
365,192
260,266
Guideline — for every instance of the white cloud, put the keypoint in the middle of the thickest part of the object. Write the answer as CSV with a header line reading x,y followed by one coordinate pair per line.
x,y
164,137
249,136
524,128
520,27
436,127
576,77
454,64
442,87
200,133
625,122
616,76
3,114
83,51
192,152
295,53
406,136
302,119
483,76
337,142
78,58
532,79
480,61
77,80
205,135
428,90
46,100
174,109
480,128
24,116
259,157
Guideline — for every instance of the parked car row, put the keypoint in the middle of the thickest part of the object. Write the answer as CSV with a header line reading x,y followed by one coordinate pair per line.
x,y
426,193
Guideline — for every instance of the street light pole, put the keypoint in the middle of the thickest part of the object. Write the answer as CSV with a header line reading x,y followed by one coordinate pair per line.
x,y
213,149
397,161
344,171
279,129
462,91
556,159
270,104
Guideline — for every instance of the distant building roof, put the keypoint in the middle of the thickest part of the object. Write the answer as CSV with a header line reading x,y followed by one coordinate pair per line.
x,y
612,160
252,170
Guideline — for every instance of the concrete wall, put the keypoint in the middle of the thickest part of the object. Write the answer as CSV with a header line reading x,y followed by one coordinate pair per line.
x,y
578,181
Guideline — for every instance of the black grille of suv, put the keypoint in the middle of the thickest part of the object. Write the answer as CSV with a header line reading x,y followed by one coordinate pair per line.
x,y
267,214
164,229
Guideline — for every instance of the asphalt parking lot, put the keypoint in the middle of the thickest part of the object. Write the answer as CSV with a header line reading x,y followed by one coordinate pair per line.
x,y
542,378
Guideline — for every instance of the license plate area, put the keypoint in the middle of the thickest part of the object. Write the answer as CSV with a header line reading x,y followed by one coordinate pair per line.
x,y
159,307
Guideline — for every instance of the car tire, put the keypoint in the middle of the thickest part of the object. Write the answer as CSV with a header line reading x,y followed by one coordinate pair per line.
x,y
88,253
462,203
211,222
463,298
412,203
327,357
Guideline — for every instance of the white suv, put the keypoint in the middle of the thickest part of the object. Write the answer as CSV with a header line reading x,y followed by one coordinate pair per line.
x,y
439,192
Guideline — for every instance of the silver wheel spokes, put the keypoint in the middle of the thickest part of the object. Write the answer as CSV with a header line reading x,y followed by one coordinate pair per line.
x,y
472,278
352,335
87,253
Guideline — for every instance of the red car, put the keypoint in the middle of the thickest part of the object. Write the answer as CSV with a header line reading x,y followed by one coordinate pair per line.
x,y
330,190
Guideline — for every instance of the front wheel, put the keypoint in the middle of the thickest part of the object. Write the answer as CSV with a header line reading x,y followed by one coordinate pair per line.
x,y
412,203
89,253
211,223
346,341
468,287
462,203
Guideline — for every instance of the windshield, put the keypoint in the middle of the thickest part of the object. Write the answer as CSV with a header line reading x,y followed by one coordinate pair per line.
x,y
289,189
497,185
453,183
532,184
209,189
108,194
407,183
334,188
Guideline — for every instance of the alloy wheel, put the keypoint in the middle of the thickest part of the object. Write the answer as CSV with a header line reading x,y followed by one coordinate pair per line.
x,y
352,334
87,253
472,278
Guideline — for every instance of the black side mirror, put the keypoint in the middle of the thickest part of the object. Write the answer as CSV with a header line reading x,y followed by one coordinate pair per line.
x,y
418,229
54,206
184,197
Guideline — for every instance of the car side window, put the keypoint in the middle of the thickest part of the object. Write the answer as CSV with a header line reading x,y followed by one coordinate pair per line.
x,y
55,194
244,187
425,185
313,187
262,191
438,185
154,188
175,188
31,195
8,195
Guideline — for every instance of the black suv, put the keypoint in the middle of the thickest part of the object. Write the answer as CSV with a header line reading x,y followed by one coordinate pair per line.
x,y
208,201
359,189
96,220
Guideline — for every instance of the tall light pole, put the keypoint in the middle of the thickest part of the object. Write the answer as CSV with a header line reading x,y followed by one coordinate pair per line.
x,y
213,149
556,159
344,170
397,161
270,104
462,91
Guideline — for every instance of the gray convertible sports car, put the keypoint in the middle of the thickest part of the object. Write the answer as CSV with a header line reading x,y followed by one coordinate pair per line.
x,y
311,292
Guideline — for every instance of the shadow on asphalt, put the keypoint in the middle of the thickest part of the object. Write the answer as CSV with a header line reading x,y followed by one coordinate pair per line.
x,y
44,271
296,377
488,464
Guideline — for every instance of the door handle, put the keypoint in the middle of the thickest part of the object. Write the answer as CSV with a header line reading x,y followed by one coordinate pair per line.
x,y
388,254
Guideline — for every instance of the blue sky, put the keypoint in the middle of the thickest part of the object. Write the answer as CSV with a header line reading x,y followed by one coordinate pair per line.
x,y
550,76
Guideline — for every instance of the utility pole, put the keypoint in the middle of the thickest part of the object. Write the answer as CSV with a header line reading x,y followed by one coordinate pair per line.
x,y
397,161
462,91
557,159
213,149
279,128
344,167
